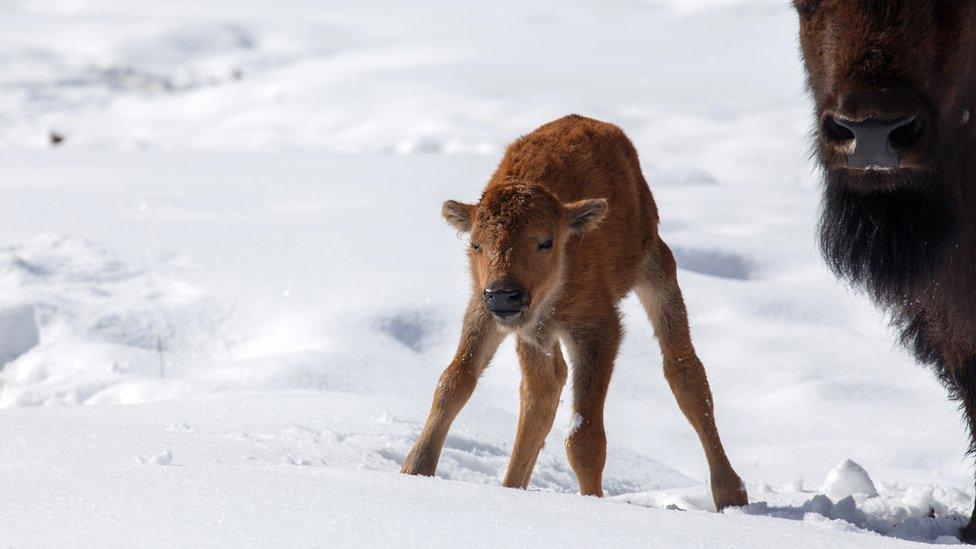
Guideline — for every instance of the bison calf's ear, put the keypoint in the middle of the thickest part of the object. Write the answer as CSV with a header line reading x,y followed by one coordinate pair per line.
x,y
458,215
586,214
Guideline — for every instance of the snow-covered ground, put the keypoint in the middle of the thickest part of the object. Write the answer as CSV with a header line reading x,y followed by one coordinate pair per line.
x,y
227,295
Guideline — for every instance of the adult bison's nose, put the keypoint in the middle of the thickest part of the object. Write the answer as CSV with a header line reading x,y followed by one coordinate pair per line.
x,y
873,142
506,299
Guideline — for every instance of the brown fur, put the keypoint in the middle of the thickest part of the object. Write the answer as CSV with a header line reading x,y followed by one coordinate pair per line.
x,y
577,183
907,236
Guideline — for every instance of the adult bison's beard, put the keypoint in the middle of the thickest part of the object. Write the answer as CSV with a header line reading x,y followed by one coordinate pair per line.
x,y
887,242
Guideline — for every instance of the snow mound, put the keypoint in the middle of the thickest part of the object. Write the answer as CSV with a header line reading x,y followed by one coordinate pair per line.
x,y
848,479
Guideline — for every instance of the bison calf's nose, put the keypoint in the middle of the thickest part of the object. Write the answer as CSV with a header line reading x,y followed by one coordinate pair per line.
x,y
505,300
874,143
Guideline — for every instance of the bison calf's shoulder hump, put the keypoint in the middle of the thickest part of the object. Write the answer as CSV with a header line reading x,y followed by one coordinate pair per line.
x,y
565,228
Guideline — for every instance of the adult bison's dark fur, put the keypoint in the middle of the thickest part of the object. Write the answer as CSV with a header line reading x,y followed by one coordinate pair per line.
x,y
894,83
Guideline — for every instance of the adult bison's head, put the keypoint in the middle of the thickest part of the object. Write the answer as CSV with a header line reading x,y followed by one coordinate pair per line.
x,y
893,82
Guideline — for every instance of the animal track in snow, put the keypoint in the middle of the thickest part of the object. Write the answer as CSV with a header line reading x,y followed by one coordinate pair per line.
x,y
164,458
714,263
411,328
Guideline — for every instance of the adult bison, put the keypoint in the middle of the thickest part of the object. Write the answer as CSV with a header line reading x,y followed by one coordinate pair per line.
x,y
564,230
894,83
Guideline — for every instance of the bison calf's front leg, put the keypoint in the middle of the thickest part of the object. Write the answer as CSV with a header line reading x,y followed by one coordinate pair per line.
x,y
594,351
479,340
543,377
453,391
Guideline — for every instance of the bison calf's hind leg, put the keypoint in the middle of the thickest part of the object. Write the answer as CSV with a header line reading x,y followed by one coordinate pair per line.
x,y
661,297
543,378
593,350
479,340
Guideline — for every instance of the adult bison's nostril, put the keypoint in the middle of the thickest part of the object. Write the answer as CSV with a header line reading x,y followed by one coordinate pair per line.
x,y
505,300
906,135
877,143
835,132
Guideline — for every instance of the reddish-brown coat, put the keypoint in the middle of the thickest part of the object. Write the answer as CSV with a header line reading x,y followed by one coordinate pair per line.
x,y
568,223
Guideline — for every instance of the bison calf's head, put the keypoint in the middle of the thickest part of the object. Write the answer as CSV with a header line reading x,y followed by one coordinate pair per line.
x,y
518,240
892,82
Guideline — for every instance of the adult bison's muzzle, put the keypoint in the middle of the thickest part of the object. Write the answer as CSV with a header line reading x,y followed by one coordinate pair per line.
x,y
873,143
876,131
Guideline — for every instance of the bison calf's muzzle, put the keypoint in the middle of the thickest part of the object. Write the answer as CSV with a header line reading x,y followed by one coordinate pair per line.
x,y
505,300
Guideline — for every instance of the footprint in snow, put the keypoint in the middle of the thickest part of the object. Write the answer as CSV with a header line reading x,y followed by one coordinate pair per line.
x,y
714,263
411,328
165,458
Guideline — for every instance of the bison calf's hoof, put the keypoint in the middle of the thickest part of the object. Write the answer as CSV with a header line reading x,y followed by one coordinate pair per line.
x,y
729,492
422,465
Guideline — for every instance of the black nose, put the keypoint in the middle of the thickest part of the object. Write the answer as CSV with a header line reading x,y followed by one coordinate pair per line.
x,y
505,300
875,142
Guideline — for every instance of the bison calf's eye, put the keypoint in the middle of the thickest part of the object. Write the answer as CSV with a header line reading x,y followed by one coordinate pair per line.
x,y
547,245
476,247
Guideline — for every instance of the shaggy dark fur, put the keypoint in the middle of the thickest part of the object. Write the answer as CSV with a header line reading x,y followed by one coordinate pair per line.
x,y
887,242
906,236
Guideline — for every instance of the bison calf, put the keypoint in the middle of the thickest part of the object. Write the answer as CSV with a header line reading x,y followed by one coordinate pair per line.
x,y
564,230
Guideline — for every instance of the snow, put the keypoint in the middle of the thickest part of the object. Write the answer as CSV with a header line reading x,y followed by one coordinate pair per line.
x,y
575,422
846,480
293,468
228,293
164,458
18,332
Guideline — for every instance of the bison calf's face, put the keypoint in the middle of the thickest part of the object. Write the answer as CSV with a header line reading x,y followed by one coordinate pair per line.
x,y
519,237
892,82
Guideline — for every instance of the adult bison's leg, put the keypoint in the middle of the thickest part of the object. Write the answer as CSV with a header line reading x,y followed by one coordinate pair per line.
x,y
543,378
661,297
593,349
479,340
961,380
